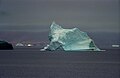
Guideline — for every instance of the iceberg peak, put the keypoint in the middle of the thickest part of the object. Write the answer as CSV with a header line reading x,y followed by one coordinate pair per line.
x,y
55,26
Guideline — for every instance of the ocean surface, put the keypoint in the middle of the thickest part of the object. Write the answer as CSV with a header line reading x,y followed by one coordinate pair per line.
x,y
33,63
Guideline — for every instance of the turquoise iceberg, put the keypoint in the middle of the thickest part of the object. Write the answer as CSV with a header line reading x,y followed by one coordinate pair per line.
x,y
69,40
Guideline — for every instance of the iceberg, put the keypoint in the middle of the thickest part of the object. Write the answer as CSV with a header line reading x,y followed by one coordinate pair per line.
x,y
69,40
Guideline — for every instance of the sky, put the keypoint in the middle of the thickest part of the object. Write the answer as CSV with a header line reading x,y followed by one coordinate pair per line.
x,y
37,15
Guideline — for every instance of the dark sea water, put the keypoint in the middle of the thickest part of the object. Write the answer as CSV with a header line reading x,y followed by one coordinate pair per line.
x,y
32,63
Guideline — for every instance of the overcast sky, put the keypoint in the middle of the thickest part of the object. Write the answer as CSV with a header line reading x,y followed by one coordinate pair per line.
x,y
90,15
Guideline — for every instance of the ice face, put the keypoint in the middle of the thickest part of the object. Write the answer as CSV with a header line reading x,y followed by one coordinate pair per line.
x,y
69,39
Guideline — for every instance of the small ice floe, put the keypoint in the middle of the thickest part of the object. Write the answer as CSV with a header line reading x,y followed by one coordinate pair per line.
x,y
44,49
29,45
19,44
116,46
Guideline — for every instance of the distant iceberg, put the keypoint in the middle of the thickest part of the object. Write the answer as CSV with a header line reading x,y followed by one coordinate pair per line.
x,y
69,40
